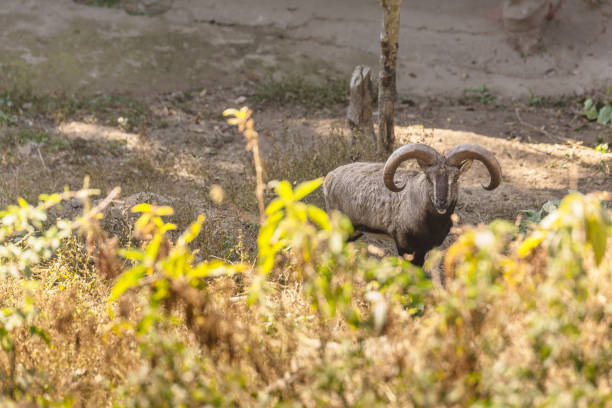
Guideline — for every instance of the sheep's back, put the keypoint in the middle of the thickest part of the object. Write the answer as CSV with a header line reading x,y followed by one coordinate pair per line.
x,y
358,191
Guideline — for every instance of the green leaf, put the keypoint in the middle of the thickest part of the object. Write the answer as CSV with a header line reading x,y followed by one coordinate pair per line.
x,y
319,217
255,290
266,263
283,189
142,207
264,238
36,331
605,113
153,248
194,230
530,243
5,340
200,271
267,230
126,281
167,227
299,211
164,211
307,187
145,324
274,206
132,254
590,110
142,222
596,236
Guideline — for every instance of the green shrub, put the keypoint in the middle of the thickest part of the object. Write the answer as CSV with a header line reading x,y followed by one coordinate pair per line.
x,y
601,112
523,317
511,325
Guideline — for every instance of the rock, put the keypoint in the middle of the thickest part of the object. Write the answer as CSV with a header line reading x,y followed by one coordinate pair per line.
x,y
197,128
359,114
118,215
524,22
75,203
26,149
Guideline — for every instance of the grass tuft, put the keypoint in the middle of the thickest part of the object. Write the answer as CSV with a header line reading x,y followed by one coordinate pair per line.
x,y
296,90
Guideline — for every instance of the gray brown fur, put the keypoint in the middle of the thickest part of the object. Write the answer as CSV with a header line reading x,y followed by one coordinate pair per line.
x,y
418,217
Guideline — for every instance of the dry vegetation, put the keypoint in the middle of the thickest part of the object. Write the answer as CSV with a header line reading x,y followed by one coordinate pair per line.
x,y
522,319
162,308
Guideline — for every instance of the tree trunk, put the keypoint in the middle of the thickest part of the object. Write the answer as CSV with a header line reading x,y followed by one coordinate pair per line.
x,y
359,115
387,91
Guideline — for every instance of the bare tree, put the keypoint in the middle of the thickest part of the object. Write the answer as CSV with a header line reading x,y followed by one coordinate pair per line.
x,y
387,90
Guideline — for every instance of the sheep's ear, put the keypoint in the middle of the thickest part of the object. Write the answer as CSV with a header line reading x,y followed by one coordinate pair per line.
x,y
465,166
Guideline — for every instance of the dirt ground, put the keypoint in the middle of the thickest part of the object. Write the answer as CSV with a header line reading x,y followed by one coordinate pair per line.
x,y
135,99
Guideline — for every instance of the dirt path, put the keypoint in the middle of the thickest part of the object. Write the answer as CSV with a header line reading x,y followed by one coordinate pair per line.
x,y
444,47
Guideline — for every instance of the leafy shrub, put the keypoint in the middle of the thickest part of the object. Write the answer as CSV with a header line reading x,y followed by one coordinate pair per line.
x,y
523,319
601,112
535,216
482,95
511,327
28,238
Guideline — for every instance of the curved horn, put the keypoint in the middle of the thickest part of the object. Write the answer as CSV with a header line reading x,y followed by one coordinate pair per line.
x,y
463,152
425,154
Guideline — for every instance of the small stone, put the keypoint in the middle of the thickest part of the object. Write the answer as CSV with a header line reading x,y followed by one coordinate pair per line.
x,y
196,128
25,149
75,202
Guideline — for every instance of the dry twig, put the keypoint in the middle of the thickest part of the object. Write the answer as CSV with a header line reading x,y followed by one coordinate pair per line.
x,y
537,129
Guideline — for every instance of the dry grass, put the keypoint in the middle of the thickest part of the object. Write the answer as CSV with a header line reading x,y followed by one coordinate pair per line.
x,y
507,330
83,361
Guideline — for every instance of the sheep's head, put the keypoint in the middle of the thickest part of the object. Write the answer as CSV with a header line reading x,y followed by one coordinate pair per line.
x,y
442,172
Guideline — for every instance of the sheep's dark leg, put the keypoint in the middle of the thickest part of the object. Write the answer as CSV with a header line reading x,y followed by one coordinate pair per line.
x,y
418,258
418,255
